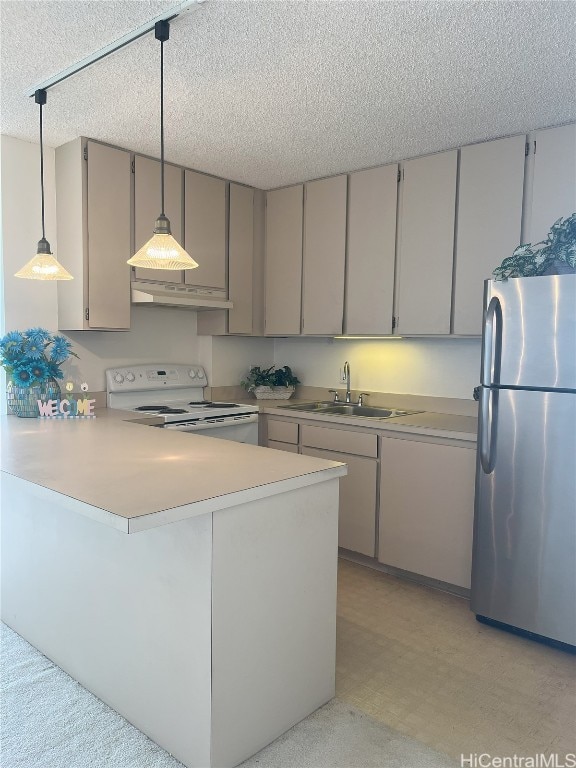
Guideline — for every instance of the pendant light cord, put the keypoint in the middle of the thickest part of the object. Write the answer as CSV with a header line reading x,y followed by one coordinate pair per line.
x,y
162,123
42,173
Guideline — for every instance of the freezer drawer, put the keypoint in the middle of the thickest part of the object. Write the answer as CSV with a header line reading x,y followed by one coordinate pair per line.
x,y
534,321
524,558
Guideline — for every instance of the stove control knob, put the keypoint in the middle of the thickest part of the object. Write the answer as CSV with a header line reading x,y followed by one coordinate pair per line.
x,y
130,377
192,373
118,378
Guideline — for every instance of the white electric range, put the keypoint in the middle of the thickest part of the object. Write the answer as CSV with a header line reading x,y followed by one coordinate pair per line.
x,y
175,394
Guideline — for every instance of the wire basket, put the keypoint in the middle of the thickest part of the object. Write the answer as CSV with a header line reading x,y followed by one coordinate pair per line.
x,y
23,401
273,393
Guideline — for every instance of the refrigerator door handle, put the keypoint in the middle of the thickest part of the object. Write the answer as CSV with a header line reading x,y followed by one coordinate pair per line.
x,y
488,428
492,343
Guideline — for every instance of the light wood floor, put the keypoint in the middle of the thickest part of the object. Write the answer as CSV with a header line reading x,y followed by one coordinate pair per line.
x,y
417,659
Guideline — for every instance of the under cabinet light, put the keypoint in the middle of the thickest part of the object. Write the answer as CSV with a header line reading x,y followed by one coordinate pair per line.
x,y
375,338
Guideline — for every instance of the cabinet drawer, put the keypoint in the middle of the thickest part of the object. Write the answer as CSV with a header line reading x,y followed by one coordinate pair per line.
x,y
358,443
282,446
282,431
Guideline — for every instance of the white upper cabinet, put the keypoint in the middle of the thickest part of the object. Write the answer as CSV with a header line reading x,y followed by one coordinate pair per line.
x,y
205,229
553,152
324,256
241,258
426,244
147,204
489,222
93,184
283,281
372,203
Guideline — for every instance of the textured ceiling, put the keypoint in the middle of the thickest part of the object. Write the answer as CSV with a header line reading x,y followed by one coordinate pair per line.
x,y
270,93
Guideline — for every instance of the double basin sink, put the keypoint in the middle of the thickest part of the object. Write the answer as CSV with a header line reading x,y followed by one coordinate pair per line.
x,y
348,409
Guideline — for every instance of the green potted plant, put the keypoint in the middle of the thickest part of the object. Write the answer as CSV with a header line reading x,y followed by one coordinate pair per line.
x,y
554,256
271,383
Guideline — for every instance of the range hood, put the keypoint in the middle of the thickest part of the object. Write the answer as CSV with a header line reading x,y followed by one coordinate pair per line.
x,y
179,296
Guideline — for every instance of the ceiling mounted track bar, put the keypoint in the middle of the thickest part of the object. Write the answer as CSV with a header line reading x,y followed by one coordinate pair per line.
x,y
183,7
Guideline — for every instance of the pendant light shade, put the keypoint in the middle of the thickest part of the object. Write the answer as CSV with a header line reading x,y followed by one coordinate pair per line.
x,y
44,266
162,251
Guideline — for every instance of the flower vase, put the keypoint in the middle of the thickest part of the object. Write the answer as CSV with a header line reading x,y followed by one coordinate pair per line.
x,y
23,401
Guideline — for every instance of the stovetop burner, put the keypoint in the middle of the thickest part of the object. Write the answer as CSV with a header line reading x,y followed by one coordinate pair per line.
x,y
161,409
151,408
208,404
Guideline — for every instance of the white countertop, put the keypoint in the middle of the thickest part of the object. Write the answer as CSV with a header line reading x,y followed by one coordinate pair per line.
x,y
446,425
133,476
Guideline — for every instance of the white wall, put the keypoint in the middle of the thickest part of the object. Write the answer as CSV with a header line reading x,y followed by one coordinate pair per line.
x,y
158,335
233,357
433,367
26,302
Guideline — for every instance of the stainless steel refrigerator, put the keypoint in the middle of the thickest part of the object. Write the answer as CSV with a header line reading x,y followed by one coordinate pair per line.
x,y
524,559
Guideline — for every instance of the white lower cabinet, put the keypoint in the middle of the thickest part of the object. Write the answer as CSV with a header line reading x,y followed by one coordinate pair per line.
x,y
357,511
419,489
427,508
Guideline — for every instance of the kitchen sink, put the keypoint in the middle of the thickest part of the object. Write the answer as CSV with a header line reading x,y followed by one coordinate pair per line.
x,y
348,409
307,406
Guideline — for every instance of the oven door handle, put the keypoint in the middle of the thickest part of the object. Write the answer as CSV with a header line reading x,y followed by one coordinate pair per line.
x,y
225,421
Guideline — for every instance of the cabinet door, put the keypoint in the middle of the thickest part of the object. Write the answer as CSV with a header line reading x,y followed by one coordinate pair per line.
x,y
427,509
372,198
283,283
554,181
489,221
109,224
240,258
357,509
324,256
426,244
205,229
147,204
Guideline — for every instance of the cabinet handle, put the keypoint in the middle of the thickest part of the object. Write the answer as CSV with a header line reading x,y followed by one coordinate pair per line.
x,y
492,343
488,430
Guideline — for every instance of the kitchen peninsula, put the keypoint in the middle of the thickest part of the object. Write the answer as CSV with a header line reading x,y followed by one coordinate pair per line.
x,y
188,582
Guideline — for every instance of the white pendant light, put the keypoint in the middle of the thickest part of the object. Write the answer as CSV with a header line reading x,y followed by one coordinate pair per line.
x,y
162,251
44,266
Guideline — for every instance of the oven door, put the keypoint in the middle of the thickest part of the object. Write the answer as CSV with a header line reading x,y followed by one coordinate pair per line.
x,y
242,428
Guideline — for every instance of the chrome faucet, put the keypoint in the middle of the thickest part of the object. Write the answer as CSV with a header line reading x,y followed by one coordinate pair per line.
x,y
348,398
347,374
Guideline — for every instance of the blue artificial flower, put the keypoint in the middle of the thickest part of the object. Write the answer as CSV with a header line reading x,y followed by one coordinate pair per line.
x,y
39,336
22,375
60,349
33,350
11,338
34,356
39,370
